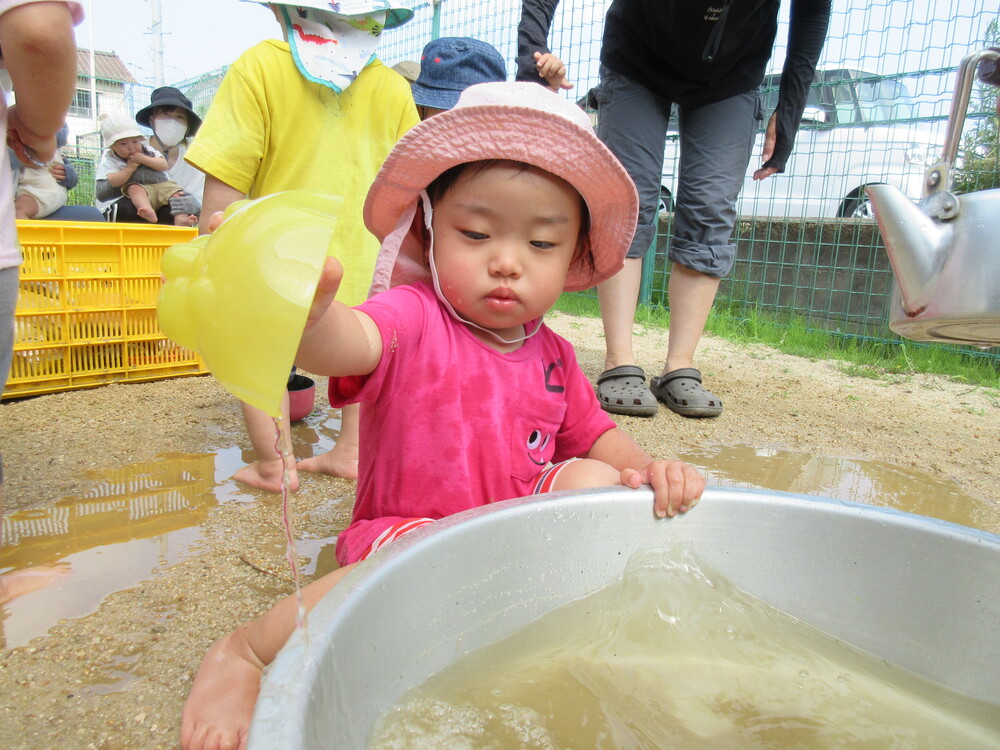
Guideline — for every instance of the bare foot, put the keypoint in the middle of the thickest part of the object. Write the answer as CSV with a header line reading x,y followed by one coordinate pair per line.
x,y
220,705
339,462
266,475
20,582
185,220
147,213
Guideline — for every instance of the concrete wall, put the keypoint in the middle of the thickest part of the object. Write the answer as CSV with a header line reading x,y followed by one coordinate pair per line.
x,y
834,272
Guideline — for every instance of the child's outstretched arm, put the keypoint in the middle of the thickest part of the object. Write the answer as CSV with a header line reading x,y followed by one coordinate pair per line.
x,y
677,486
338,340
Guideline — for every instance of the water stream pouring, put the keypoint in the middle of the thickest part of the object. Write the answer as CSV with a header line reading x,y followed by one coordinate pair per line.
x,y
945,251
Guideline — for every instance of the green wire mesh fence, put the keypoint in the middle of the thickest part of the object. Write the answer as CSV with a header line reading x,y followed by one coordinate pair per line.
x,y
877,113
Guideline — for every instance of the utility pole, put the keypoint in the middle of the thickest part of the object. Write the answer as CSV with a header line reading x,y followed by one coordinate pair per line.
x,y
93,67
157,45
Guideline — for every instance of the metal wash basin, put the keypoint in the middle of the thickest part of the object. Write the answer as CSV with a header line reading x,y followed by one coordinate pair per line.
x,y
920,593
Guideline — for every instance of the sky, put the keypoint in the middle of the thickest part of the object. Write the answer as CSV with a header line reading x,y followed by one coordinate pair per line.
x,y
198,35
202,35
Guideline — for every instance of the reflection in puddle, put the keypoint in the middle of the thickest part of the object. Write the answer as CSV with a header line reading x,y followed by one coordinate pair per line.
x,y
133,521
857,480
138,519
136,502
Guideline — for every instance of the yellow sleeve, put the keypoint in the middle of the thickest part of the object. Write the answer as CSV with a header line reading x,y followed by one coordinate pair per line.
x,y
230,143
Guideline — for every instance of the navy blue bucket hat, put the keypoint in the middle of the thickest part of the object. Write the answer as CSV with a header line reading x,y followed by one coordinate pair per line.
x,y
450,65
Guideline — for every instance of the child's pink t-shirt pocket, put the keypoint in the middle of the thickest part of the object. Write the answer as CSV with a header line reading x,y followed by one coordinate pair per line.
x,y
533,437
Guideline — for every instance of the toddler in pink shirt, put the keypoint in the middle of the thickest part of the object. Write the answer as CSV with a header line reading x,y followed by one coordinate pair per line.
x,y
486,213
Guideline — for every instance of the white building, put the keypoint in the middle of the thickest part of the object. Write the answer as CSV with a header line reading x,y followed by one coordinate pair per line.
x,y
104,85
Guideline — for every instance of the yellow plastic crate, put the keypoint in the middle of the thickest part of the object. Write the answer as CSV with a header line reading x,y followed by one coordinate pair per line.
x,y
86,312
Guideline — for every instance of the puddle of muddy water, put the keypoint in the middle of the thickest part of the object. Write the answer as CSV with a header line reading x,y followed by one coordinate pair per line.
x,y
149,515
857,480
133,521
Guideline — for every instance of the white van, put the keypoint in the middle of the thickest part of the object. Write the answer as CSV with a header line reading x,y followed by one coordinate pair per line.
x,y
850,137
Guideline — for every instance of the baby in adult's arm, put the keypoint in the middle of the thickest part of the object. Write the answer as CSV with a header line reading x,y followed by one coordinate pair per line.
x,y
140,172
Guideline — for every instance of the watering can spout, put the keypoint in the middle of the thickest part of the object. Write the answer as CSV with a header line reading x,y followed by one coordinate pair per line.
x,y
916,243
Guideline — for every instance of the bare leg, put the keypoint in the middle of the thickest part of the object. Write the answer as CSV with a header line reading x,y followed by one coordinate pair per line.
x,y
342,460
25,207
691,296
19,582
141,202
266,472
219,708
618,297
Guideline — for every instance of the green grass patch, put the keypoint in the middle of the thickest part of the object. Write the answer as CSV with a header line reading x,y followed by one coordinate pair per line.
x,y
863,356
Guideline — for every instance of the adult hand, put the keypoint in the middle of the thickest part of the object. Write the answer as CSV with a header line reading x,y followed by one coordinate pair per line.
x,y
185,204
552,70
770,137
27,145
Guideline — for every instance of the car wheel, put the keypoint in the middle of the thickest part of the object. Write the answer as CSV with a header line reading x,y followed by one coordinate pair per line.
x,y
666,201
856,207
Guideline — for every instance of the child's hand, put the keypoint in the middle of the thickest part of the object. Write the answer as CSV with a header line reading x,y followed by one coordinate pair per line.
x,y
551,68
214,222
326,290
677,486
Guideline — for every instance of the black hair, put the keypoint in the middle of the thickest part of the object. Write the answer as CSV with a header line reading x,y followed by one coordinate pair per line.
x,y
447,179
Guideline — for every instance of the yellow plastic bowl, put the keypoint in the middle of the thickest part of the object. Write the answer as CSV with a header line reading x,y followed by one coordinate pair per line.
x,y
240,296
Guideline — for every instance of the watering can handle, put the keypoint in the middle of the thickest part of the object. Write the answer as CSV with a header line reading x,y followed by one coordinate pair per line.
x,y
956,117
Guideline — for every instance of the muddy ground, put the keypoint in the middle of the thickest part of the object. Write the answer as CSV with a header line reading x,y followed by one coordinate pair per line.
x,y
146,642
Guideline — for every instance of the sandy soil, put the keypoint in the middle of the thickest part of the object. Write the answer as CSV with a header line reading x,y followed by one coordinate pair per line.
x,y
157,632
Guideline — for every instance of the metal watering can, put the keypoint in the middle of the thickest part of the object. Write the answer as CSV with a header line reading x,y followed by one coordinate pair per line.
x,y
945,251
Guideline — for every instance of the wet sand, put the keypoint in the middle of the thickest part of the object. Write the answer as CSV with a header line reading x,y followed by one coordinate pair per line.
x,y
118,678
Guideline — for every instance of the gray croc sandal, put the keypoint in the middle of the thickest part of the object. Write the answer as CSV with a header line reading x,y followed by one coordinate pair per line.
x,y
683,392
622,390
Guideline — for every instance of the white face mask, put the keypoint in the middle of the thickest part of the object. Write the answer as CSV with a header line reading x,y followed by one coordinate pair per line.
x,y
329,48
169,131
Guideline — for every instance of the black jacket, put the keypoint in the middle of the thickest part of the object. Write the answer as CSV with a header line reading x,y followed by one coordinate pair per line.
x,y
696,52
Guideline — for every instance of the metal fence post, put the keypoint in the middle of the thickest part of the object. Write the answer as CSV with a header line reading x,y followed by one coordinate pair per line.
x,y
436,19
648,264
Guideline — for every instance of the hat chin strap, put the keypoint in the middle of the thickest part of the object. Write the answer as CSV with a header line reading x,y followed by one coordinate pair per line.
x,y
428,215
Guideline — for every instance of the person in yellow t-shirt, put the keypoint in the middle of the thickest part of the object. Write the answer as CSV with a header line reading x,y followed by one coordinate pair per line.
x,y
317,111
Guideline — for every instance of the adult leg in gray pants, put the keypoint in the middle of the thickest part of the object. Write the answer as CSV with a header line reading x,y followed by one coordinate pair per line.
x,y
9,278
716,141
22,580
632,122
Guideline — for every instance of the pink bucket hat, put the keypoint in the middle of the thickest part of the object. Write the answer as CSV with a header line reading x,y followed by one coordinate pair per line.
x,y
522,122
